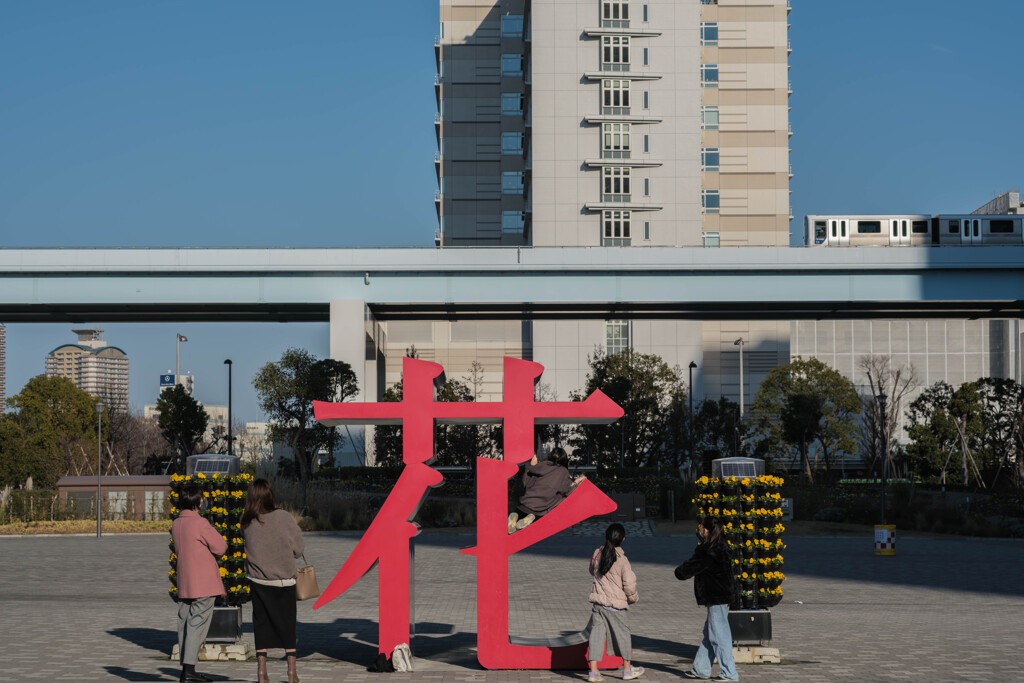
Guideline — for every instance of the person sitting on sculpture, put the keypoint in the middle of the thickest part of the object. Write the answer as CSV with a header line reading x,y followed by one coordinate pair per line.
x,y
547,484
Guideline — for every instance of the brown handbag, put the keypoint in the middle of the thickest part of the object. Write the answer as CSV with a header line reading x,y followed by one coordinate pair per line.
x,y
306,586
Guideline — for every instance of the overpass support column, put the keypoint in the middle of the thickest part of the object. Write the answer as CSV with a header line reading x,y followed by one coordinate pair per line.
x,y
358,339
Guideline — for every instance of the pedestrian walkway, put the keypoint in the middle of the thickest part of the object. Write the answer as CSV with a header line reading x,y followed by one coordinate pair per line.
x,y
82,609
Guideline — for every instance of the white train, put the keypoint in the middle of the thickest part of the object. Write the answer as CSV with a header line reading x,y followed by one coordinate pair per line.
x,y
909,230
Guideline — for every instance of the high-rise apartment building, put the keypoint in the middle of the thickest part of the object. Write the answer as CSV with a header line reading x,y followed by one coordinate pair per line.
x,y
617,123
3,368
93,366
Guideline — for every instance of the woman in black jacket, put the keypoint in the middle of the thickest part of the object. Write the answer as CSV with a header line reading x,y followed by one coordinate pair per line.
x,y
712,573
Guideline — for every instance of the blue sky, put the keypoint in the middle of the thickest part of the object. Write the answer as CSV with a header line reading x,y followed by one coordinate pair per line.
x,y
141,123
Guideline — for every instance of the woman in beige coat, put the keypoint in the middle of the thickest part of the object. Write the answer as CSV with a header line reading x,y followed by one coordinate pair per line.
x,y
613,592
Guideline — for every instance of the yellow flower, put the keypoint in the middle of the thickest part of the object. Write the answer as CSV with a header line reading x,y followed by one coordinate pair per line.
x,y
223,572
200,475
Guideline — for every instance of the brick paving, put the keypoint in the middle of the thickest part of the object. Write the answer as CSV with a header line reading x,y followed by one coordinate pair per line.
x,y
942,609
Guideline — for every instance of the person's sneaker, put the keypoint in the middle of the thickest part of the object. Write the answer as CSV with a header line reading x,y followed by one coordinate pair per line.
x,y
594,677
525,522
512,519
694,675
634,672
721,677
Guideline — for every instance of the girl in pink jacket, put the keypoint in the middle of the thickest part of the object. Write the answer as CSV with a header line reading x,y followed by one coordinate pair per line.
x,y
198,545
613,592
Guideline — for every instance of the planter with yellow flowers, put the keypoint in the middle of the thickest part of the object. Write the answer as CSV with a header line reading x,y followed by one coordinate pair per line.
x,y
751,511
225,502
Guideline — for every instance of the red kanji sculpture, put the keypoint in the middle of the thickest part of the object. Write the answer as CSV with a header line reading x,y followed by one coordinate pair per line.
x,y
387,539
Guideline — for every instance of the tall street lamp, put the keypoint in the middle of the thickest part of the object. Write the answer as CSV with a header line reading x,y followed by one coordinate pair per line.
x,y
885,449
177,368
231,450
692,366
99,482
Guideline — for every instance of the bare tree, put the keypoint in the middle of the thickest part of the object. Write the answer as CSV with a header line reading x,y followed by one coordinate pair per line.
x,y
893,381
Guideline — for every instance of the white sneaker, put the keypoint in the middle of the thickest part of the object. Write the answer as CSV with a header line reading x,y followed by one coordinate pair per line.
x,y
634,672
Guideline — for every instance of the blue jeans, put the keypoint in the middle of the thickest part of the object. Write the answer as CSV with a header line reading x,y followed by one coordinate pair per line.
x,y
717,639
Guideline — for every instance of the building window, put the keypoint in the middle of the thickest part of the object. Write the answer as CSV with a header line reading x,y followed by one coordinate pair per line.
x,y
615,13
615,141
512,182
711,239
615,96
647,230
117,504
647,143
154,505
512,143
709,2
709,159
710,201
709,33
647,99
709,75
616,184
616,228
511,65
645,12
616,335
614,53
709,117
647,187
513,222
511,104
512,26
646,56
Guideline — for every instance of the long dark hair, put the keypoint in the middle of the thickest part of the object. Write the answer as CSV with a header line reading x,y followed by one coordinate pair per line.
x,y
613,538
715,530
258,501
559,457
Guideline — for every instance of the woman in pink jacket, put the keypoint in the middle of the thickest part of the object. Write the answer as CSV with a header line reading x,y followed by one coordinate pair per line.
x,y
198,545
613,592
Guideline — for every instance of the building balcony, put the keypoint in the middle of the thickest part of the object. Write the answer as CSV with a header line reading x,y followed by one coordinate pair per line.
x,y
623,75
628,162
621,206
621,31
622,118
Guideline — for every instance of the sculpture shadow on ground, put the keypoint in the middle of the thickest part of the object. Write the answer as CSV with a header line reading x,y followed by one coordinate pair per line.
x,y
161,640
164,673
355,641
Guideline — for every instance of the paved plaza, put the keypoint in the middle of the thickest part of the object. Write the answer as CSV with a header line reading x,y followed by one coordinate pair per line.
x,y
942,609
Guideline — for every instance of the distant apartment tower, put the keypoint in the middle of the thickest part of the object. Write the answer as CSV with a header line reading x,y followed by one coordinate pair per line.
x,y
3,368
618,123
93,366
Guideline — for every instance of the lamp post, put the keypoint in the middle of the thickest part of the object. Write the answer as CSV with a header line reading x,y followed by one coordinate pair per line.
x,y
231,450
177,368
885,449
99,482
692,366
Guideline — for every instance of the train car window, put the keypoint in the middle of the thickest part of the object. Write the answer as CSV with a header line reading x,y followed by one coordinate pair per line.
x,y
975,227
869,227
904,228
919,227
842,225
895,229
954,226
820,231
1000,226
834,233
